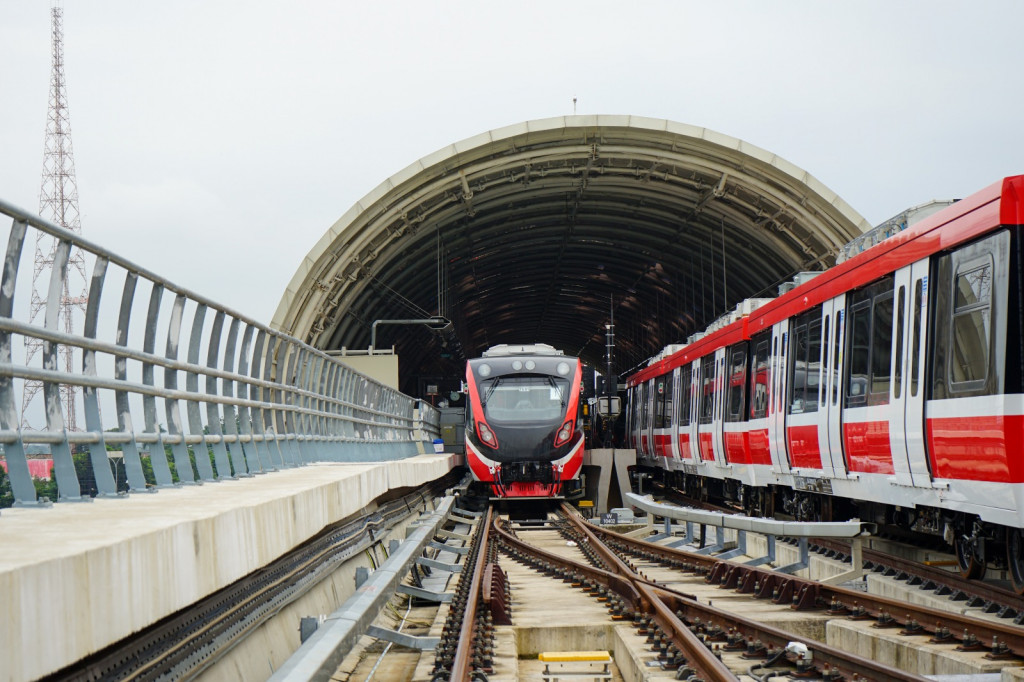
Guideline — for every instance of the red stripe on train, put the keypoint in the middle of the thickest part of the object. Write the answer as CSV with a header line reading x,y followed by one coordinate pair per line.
x,y
804,451
867,447
987,448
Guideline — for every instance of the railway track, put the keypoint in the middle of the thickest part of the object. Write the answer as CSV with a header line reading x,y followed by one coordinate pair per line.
x,y
975,593
967,633
989,597
690,639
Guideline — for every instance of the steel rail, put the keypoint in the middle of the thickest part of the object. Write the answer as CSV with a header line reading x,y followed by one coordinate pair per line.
x,y
931,574
808,594
1011,601
607,579
702,659
836,659
681,607
462,661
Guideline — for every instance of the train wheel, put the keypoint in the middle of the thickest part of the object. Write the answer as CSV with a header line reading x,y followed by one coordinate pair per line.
x,y
970,556
1015,558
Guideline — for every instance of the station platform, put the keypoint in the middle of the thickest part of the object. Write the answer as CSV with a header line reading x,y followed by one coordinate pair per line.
x,y
78,577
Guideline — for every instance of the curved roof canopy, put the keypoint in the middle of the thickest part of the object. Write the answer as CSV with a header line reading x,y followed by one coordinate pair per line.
x,y
536,232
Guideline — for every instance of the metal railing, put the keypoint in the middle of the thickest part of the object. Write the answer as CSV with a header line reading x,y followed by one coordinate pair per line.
x,y
243,399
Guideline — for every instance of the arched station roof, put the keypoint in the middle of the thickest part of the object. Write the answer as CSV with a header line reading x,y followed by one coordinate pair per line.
x,y
535,232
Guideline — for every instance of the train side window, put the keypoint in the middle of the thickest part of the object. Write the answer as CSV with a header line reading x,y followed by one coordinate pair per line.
x,y
707,391
644,409
971,327
836,357
685,393
859,354
823,390
759,378
881,349
915,339
805,362
659,402
897,379
631,405
970,291
670,395
737,375
663,402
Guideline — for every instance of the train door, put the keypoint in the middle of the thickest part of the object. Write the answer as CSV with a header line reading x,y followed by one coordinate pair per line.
x,y
707,408
868,384
906,394
643,436
803,418
735,431
758,442
688,398
674,418
662,422
777,383
630,417
832,385
718,439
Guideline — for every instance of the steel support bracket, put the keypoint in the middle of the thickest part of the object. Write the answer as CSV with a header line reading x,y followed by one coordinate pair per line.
x,y
426,595
402,639
805,560
439,565
453,535
434,544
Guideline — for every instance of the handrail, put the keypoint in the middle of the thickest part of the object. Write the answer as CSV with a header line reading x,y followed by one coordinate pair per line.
x,y
236,397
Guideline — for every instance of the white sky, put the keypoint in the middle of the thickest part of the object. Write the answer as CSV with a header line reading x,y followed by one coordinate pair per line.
x,y
216,141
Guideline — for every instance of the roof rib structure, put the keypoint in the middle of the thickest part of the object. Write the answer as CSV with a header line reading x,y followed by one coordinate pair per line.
x,y
537,231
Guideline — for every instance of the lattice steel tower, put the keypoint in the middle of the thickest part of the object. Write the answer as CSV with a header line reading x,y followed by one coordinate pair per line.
x,y
58,202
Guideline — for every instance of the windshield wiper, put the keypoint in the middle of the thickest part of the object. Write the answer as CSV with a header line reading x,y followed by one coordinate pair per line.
x,y
554,383
497,380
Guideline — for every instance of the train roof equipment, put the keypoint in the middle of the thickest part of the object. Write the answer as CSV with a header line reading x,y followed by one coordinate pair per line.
x,y
505,350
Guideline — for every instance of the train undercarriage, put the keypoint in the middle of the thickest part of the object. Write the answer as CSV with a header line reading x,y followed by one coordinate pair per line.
x,y
978,546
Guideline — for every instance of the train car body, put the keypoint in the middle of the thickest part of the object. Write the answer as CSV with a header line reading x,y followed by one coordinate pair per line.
x,y
890,385
523,435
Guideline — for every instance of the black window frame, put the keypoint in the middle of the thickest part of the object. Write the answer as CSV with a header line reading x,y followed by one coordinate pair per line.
x,y
685,394
706,404
868,301
736,405
802,332
994,251
761,342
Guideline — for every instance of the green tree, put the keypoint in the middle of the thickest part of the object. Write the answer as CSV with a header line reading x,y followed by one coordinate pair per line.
x,y
6,494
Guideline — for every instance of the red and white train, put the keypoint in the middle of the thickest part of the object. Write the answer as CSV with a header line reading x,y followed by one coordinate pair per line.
x,y
523,430
889,388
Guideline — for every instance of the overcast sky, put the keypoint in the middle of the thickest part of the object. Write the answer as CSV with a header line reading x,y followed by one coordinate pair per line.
x,y
216,141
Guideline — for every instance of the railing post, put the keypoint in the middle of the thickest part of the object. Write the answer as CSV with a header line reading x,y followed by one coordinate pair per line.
x,y
130,449
14,453
68,488
106,485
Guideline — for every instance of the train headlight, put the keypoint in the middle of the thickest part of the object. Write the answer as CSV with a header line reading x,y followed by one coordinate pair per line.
x,y
564,433
484,370
517,365
487,436
562,368
531,365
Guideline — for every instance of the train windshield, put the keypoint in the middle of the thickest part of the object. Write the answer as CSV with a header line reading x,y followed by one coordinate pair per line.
x,y
524,398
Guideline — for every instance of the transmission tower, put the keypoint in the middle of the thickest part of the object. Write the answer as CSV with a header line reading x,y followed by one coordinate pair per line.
x,y
58,202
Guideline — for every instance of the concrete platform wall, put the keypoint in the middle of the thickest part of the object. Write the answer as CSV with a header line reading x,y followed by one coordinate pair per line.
x,y
78,577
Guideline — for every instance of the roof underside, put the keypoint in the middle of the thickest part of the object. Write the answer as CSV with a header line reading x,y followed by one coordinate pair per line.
x,y
537,232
